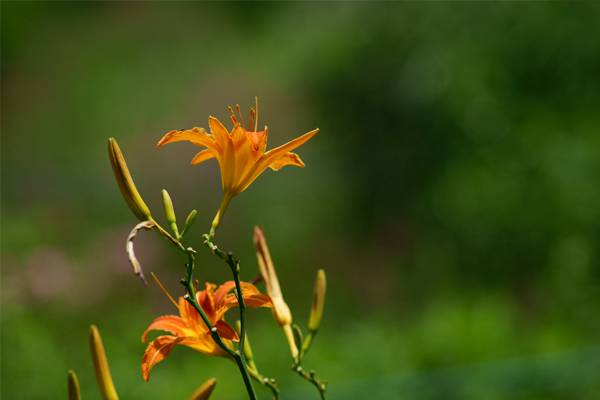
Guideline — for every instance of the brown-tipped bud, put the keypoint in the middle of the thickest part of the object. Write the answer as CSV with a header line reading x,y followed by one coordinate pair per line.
x,y
281,311
318,303
103,377
170,212
205,390
73,386
125,182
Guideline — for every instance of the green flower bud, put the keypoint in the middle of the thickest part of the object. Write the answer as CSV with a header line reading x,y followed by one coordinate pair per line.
x,y
125,182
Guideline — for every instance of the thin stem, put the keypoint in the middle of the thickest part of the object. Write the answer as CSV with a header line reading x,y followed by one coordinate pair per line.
x,y
222,208
234,265
190,297
311,377
263,380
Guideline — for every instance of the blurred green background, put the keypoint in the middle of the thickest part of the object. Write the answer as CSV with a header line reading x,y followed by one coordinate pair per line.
x,y
452,194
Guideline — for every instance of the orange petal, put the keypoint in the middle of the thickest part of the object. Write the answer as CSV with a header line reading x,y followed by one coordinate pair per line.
x,y
197,136
226,331
206,300
168,323
202,156
258,300
286,159
157,351
189,315
291,145
218,131
220,295
271,156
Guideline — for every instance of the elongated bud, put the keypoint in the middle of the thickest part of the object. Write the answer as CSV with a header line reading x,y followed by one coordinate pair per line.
x,y
318,303
170,212
205,390
73,386
125,182
189,221
103,377
280,309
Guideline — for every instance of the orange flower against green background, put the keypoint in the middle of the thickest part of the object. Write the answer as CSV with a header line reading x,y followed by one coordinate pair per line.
x,y
240,152
189,330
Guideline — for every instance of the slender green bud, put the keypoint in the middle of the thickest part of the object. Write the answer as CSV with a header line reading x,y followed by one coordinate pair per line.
x,y
318,303
103,377
125,182
73,386
248,355
205,390
170,212
189,221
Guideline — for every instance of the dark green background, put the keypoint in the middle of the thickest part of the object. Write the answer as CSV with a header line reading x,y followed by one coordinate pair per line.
x,y
452,195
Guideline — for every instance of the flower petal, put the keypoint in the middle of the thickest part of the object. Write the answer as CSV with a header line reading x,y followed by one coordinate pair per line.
x,y
218,131
258,300
226,331
271,156
202,156
286,159
168,323
197,136
205,345
157,351
189,315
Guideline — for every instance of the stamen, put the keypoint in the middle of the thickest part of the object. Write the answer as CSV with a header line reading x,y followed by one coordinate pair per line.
x,y
256,107
165,291
232,115
237,106
252,117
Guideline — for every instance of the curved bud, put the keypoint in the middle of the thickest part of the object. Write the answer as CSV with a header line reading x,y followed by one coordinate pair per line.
x,y
135,264
105,382
170,212
125,182
205,390
73,386
318,303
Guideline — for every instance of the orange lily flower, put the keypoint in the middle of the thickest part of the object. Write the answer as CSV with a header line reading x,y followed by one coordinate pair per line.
x,y
240,152
188,329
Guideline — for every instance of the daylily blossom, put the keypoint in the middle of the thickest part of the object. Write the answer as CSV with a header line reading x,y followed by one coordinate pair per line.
x,y
240,151
188,329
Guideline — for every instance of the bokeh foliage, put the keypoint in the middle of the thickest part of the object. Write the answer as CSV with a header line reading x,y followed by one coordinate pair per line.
x,y
453,193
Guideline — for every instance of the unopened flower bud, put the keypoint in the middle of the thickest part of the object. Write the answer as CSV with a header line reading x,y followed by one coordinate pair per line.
x,y
105,382
281,311
189,221
205,390
125,182
170,212
318,303
73,386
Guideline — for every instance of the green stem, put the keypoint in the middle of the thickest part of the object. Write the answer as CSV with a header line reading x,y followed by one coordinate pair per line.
x,y
263,380
190,297
222,208
234,265
312,378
